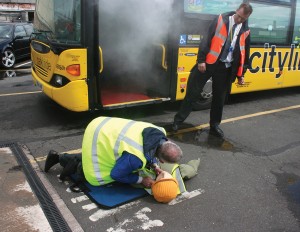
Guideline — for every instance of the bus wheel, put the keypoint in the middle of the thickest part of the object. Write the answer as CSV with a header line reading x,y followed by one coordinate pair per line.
x,y
8,59
204,101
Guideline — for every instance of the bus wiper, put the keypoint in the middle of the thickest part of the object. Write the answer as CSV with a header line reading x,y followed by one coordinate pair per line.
x,y
50,40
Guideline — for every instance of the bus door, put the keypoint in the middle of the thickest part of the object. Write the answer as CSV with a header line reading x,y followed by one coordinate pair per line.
x,y
134,48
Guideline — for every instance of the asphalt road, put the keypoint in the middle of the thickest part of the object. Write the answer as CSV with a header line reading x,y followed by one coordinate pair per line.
x,y
250,181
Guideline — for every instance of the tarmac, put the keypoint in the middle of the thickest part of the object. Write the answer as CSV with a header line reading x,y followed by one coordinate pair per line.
x,y
24,207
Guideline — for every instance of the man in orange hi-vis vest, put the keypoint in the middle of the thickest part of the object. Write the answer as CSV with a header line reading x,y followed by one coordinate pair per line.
x,y
223,55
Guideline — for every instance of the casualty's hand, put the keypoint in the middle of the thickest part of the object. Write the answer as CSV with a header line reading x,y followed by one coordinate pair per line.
x,y
241,80
157,170
147,181
202,67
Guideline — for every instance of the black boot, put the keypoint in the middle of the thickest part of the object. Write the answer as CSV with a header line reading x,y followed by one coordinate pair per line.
x,y
216,131
52,159
175,126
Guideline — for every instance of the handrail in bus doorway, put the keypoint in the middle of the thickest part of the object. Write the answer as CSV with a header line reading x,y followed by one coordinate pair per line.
x,y
163,60
101,59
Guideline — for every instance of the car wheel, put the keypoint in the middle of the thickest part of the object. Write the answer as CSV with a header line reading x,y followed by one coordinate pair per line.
x,y
8,59
204,101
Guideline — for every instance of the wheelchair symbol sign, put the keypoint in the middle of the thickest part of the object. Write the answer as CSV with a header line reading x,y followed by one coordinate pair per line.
x,y
182,40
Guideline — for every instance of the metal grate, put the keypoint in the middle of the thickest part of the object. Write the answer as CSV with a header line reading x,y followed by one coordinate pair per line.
x,y
52,213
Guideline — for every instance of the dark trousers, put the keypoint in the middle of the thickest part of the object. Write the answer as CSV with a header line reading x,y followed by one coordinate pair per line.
x,y
66,159
221,83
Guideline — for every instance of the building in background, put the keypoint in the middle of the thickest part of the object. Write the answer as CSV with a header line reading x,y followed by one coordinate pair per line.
x,y
17,10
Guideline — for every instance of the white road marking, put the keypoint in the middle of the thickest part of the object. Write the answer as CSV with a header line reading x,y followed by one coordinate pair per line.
x,y
22,64
142,217
101,213
79,199
89,207
14,94
119,226
185,196
140,220
147,223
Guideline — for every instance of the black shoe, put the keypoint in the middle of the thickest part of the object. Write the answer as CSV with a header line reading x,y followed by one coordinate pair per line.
x,y
175,126
216,131
69,169
52,159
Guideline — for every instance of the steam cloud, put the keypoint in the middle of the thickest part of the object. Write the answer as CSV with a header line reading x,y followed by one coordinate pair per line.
x,y
130,31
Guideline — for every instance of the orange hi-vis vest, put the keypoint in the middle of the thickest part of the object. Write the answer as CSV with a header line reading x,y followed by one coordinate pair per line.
x,y
219,40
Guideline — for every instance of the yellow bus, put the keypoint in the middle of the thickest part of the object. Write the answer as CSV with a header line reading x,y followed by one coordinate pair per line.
x,y
97,54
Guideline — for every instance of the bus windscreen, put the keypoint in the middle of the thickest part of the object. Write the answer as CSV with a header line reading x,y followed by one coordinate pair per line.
x,y
58,21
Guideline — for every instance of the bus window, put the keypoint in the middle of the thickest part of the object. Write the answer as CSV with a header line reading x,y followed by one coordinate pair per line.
x,y
58,21
296,34
210,7
269,24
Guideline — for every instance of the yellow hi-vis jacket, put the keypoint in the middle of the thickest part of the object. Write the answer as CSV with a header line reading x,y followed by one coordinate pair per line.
x,y
104,141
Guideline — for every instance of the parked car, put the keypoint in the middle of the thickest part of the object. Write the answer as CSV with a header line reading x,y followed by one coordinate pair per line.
x,y
14,42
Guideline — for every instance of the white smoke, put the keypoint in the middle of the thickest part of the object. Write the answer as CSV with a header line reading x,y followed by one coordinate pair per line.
x,y
130,31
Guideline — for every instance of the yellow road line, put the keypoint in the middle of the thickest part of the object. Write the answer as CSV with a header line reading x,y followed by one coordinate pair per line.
x,y
235,119
14,94
43,158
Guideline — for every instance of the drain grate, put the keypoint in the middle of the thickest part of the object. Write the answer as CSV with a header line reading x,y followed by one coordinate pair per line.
x,y
52,213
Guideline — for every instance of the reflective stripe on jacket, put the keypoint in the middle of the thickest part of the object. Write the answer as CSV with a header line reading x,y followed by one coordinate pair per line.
x,y
104,141
243,38
219,40
177,175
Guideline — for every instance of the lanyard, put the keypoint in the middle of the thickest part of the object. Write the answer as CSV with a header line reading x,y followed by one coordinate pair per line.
x,y
231,32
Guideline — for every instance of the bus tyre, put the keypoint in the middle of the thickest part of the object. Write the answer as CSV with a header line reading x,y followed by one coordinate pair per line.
x,y
8,59
204,101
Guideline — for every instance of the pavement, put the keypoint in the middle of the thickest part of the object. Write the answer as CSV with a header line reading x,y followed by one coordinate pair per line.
x,y
20,209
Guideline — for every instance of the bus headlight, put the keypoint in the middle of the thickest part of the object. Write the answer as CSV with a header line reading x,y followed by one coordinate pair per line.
x,y
59,81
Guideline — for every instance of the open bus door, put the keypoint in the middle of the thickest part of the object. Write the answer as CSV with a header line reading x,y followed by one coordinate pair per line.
x,y
134,50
